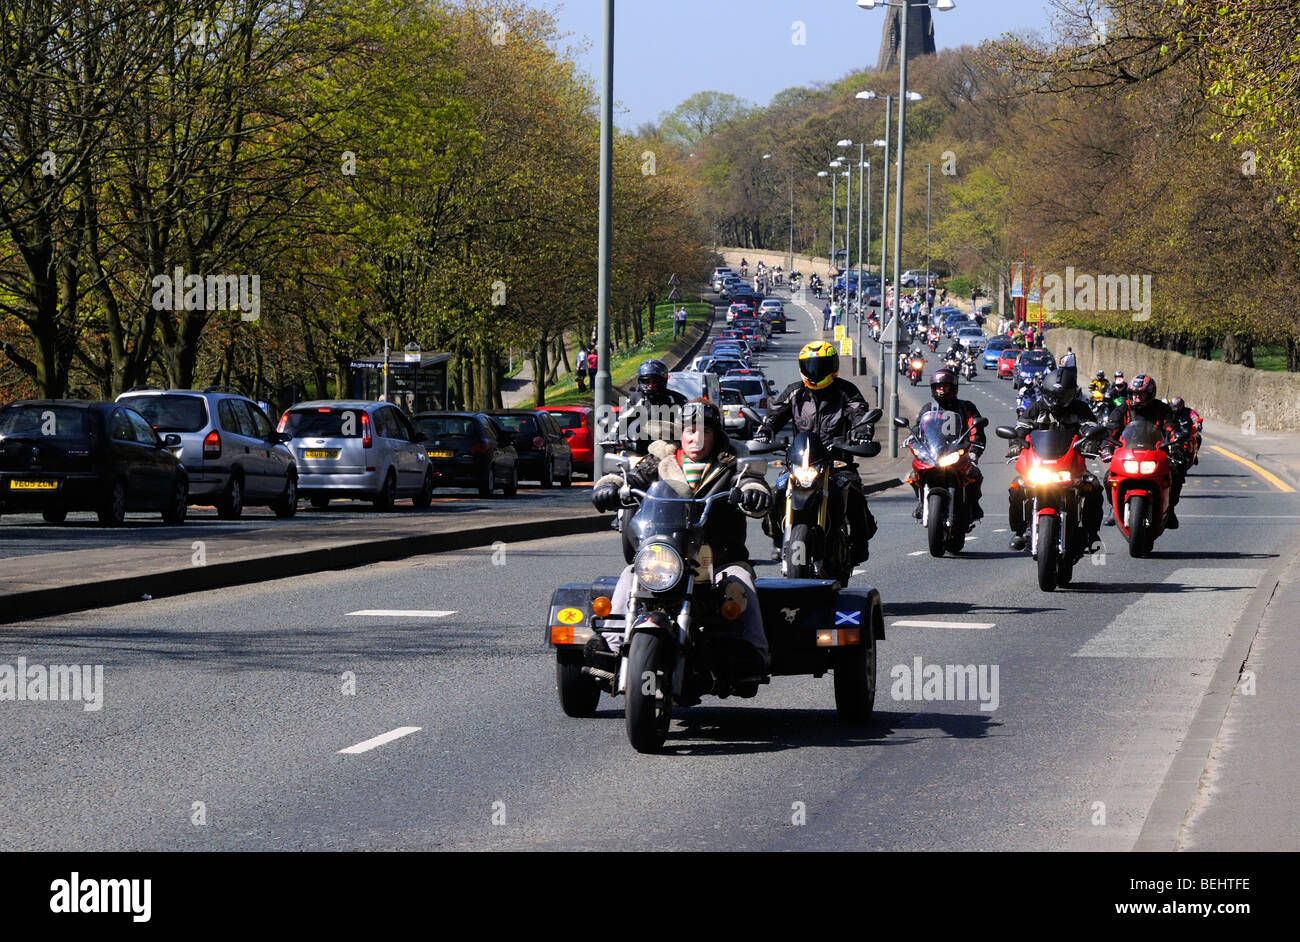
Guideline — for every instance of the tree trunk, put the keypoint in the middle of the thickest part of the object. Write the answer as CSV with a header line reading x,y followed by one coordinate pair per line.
x,y
1203,347
1238,350
1292,354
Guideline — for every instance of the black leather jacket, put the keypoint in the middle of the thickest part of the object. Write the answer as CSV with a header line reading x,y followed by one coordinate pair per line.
x,y
830,413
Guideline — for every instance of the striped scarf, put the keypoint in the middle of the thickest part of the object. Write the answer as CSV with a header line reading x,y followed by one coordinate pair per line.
x,y
694,470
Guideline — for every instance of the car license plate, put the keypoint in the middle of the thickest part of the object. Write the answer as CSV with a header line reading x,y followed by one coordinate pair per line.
x,y
19,484
322,454
441,454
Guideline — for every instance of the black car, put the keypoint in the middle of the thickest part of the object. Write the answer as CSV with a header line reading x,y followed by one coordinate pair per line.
x,y
544,452
468,449
58,455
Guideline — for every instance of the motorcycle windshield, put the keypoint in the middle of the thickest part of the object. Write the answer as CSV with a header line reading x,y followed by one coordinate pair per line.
x,y
1140,435
663,512
1051,443
937,432
807,449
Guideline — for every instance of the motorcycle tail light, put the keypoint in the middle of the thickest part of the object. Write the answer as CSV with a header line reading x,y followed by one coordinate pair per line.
x,y
212,445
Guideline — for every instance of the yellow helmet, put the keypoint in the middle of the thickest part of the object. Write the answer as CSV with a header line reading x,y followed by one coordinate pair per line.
x,y
819,364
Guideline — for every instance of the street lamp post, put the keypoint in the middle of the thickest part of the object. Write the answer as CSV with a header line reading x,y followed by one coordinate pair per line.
x,y
903,97
600,381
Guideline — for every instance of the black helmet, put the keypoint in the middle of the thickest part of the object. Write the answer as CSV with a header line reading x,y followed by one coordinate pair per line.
x,y
1142,390
707,412
1060,388
943,387
652,378
1177,404
1101,374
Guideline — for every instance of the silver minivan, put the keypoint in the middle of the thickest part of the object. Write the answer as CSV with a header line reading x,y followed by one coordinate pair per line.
x,y
360,450
232,454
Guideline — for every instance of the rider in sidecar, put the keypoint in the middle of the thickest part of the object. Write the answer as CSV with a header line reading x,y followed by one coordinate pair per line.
x,y
704,465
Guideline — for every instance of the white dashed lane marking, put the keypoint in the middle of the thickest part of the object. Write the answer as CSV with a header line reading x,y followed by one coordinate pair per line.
x,y
379,740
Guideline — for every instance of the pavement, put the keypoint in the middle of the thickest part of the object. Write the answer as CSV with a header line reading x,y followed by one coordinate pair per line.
x,y
1098,681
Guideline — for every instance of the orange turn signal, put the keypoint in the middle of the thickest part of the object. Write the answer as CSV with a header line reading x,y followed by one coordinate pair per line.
x,y
567,634
602,606
730,610
836,637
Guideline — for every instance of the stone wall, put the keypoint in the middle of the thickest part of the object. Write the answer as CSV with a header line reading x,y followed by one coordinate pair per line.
x,y
1232,394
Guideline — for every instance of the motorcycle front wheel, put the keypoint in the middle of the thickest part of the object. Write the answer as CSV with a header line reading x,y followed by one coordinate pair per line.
x,y
1139,532
1048,552
649,707
795,563
936,523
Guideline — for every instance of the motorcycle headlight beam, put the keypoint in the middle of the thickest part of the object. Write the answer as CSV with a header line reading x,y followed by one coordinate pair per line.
x,y
1038,475
947,461
658,566
804,475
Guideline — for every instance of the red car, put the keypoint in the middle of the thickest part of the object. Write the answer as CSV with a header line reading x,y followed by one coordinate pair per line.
x,y
1007,361
577,423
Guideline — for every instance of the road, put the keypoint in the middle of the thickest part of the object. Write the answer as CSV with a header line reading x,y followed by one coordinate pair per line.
x,y
224,713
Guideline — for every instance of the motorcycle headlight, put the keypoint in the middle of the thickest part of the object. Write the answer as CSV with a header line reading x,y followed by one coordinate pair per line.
x,y
947,461
1040,475
1130,466
1147,467
658,566
804,476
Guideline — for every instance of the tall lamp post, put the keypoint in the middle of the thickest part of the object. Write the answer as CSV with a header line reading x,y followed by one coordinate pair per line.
x,y
903,96
600,381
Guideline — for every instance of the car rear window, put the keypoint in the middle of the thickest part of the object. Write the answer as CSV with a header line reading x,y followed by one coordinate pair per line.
x,y
170,413
45,422
731,397
1034,359
518,424
566,419
323,423
450,426
747,387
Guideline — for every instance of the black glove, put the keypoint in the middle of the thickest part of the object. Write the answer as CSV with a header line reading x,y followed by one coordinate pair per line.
x,y
763,435
863,433
605,497
755,501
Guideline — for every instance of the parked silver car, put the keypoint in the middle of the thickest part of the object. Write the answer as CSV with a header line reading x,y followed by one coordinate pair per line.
x,y
233,456
362,450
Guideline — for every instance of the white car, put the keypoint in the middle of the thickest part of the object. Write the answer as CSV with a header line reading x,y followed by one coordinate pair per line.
x,y
971,337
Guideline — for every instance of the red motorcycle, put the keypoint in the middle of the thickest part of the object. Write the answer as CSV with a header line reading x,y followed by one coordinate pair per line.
x,y
942,472
1052,476
1140,481
914,369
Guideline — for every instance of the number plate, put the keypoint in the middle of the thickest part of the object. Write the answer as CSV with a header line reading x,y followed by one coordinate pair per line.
x,y
326,454
441,454
17,484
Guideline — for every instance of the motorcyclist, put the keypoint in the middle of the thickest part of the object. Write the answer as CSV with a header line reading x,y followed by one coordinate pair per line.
x,y
1058,406
824,405
943,398
1189,421
1098,383
644,425
956,351
1142,405
1117,391
704,465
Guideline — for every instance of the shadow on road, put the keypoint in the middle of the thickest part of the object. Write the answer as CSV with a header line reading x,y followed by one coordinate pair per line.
x,y
962,608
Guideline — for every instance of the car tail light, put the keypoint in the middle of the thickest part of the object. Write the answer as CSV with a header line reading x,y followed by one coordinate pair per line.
x,y
367,437
284,421
539,442
212,445
479,448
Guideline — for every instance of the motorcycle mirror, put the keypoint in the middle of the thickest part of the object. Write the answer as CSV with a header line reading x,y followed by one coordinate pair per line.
x,y
616,462
1005,431
900,422
982,422
763,448
872,417
749,413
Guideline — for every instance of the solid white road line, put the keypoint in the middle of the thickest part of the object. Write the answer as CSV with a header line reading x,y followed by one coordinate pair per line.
x,y
399,613
1192,623
379,740
918,553
943,624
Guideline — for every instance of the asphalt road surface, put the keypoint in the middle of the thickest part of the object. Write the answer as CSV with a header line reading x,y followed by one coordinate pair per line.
x,y
224,715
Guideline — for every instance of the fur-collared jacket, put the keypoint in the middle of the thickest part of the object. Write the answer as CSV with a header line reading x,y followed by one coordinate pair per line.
x,y
725,531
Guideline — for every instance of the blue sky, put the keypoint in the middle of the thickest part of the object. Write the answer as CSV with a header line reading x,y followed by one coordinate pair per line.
x,y
666,50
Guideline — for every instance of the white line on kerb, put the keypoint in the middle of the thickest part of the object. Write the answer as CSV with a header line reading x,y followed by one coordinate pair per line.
x,y
379,740
399,613
942,624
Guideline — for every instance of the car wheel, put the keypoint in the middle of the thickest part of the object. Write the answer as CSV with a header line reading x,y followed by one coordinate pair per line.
x,y
231,504
489,484
287,506
54,514
175,514
319,501
112,511
387,495
512,488
567,480
423,499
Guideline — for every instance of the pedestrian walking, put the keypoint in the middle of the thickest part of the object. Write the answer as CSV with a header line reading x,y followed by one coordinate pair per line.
x,y
826,317
679,322
580,371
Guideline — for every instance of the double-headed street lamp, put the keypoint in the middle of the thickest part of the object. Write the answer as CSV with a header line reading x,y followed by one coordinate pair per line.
x,y
942,6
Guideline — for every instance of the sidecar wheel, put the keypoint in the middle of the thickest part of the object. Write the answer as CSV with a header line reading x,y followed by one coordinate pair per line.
x,y
579,693
855,679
